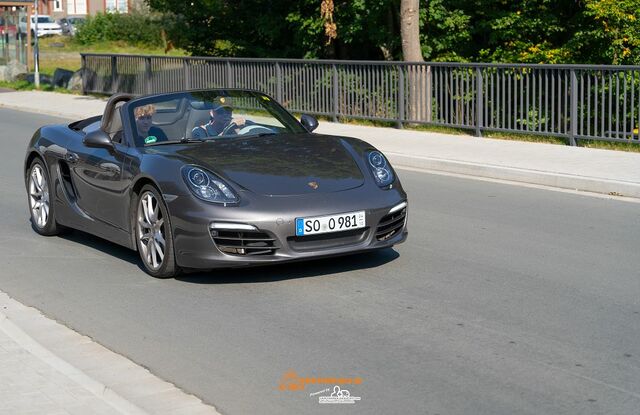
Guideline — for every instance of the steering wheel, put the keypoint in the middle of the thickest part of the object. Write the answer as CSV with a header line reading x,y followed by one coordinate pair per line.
x,y
255,129
228,128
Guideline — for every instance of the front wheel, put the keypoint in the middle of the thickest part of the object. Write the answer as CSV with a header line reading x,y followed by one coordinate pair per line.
x,y
43,218
153,234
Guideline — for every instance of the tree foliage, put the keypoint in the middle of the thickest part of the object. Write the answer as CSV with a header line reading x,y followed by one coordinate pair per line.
x,y
616,31
131,28
537,31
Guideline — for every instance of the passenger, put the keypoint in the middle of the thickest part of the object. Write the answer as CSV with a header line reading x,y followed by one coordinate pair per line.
x,y
144,123
221,117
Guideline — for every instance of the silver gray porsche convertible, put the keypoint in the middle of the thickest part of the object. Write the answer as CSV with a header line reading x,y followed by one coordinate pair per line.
x,y
212,179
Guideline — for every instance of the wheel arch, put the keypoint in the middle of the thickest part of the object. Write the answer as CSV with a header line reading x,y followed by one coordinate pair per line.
x,y
33,154
140,182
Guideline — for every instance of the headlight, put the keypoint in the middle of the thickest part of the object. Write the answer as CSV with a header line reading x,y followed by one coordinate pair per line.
x,y
207,186
380,168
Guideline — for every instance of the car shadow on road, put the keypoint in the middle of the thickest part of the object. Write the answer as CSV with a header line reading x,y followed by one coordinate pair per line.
x,y
266,273
293,270
103,245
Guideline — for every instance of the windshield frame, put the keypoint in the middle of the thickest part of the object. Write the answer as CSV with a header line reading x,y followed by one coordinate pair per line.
x,y
273,108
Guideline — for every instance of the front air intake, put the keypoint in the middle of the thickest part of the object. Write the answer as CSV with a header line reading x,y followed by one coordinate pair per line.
x,y
244,242
391,225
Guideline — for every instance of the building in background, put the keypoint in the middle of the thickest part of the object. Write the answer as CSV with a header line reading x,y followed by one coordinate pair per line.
x,y
64,8
15,49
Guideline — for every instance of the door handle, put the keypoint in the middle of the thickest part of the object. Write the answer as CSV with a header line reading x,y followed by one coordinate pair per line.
x,y
71,157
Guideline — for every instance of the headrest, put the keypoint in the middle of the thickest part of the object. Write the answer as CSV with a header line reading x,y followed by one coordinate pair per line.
x,y
111,109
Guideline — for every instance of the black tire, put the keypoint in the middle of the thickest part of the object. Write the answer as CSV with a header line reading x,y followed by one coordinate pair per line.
x,y
48,226
156,265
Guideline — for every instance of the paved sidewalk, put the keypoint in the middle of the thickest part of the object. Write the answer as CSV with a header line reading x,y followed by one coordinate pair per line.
x,y
592,170
47,368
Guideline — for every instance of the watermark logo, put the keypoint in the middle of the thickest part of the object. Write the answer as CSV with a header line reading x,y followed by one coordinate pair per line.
x,y
290,381
339,395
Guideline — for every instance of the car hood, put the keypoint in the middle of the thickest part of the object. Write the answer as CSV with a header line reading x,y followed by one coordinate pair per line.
x,y
278,165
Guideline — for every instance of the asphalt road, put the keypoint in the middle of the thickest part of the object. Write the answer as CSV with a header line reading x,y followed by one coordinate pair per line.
x,y
504,300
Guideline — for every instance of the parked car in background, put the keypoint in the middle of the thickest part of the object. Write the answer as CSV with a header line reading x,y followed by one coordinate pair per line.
x,y
46,26
70,24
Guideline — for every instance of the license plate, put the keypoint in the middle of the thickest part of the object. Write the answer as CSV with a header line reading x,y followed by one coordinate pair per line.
x,y
329,223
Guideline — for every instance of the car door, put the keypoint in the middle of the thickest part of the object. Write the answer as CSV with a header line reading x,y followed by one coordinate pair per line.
x,y
100,180
97,176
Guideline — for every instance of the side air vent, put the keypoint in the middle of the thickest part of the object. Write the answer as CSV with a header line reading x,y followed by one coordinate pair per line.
x,y
391,225
244,242
65,175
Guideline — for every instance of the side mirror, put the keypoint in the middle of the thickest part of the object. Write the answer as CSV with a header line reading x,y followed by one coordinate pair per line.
x,y
309,122
98,138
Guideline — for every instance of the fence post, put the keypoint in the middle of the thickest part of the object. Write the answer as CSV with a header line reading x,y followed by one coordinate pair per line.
x,y
278,82
114,74
429,94
400,96
229,75
187,74
18,49
83,73
147,75
574,108
479,99
334,88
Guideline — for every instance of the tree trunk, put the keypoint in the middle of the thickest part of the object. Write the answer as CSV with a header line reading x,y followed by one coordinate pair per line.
x,y
418,101
410,30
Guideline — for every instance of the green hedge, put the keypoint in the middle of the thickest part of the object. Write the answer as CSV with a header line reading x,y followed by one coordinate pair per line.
x,y
132,28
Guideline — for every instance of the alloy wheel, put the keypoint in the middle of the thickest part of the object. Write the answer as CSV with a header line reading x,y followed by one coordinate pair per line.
x,y
38,196
151,230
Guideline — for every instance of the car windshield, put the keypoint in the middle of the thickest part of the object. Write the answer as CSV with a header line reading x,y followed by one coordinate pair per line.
x,y
44,19
208,115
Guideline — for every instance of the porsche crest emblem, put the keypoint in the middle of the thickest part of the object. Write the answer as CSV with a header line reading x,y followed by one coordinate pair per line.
x,y
313,185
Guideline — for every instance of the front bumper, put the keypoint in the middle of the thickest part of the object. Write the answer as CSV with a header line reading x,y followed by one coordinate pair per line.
x,y
49,32
199,246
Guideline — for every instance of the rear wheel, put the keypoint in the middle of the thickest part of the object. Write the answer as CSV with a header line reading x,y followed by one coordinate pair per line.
x,y
153,234
43,218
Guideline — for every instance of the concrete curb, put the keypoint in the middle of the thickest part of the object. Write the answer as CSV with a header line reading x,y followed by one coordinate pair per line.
x,y
513,174
113,379
99,390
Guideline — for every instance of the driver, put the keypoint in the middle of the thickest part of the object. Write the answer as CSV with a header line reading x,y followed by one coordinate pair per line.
x,y
221,119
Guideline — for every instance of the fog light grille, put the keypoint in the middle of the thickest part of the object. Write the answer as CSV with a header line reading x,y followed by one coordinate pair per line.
x,y
244,242
391,225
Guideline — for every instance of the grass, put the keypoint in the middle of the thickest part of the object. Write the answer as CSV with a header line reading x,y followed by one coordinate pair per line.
x,y
63,52
603,145
27,86
607,145
533,138
547,139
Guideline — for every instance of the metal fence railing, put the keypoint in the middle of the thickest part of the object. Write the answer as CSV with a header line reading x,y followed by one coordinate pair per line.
x,y
573,101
